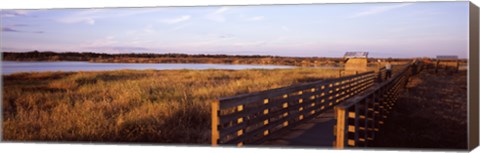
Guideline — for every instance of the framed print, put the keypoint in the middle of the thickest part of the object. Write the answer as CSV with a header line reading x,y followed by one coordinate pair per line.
x,y
373,76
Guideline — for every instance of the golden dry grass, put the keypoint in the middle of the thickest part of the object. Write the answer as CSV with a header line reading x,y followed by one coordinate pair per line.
x,y
167,106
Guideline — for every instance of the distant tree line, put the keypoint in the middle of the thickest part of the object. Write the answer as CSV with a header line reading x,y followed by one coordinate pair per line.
x,y
167,58
175,58
85,56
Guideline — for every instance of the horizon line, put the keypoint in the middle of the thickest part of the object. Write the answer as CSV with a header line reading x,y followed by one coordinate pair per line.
x,y
216,54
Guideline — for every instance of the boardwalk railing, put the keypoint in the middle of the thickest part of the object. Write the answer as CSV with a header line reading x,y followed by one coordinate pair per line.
x,y
359,118
255,117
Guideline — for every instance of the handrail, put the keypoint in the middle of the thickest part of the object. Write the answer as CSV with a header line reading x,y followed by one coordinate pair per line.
x,y
252,118
360,118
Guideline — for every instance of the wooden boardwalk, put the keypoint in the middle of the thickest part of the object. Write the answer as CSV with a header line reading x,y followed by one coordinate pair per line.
x,y
341,112
257,117
317,132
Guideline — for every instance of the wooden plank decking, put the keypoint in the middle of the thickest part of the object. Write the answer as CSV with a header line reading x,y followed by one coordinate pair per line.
x,y
317,132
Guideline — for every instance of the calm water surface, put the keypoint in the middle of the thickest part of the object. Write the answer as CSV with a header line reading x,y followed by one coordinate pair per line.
x,y
9,67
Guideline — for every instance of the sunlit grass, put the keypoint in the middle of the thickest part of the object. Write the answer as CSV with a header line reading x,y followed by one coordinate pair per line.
x,y
168,106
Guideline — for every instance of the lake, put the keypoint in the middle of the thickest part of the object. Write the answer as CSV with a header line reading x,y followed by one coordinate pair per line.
x,y
9,67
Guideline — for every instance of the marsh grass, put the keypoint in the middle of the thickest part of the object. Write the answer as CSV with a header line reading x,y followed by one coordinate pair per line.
x,y
167,106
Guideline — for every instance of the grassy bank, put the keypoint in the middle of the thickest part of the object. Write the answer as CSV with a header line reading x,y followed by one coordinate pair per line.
x,y
168,106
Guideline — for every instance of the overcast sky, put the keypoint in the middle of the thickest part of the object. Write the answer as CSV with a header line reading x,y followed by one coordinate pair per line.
x,y
383,29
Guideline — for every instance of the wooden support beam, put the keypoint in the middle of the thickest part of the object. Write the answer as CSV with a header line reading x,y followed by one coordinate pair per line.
x,y
215,120
457,66
357,123
341,130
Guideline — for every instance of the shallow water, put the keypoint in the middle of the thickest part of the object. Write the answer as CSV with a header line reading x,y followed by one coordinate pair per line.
x,y
10,67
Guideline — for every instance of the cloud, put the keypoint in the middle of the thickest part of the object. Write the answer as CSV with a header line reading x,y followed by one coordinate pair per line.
x,y
227,36
218,15
106,41
20,25
90,16
250,44
85,16
119,49
14,13
90,21
221,10
177,19
7,29
148,29
179,27
255,18
139,41
378,10
285,28
9,48
279,39
13,28
10,29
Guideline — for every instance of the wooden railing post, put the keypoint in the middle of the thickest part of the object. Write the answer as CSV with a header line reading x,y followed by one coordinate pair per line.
x,y
239,121
457,66
267,121
215,120
341,130
356,125
371,117
367,127
379,75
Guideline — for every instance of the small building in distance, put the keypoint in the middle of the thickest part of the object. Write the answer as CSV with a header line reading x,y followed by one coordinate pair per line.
x,y
447,62
357,61
447,57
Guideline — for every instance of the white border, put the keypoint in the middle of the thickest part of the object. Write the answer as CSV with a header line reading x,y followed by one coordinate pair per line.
x,y
83,148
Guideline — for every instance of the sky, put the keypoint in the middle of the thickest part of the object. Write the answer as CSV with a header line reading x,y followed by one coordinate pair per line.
x,y
422,29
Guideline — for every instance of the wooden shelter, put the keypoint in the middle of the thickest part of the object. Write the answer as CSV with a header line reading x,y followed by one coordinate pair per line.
x,y
447,62
357,61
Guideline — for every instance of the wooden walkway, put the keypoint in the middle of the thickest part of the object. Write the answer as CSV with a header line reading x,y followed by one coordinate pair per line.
x,y
341,112
317,132
255,118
